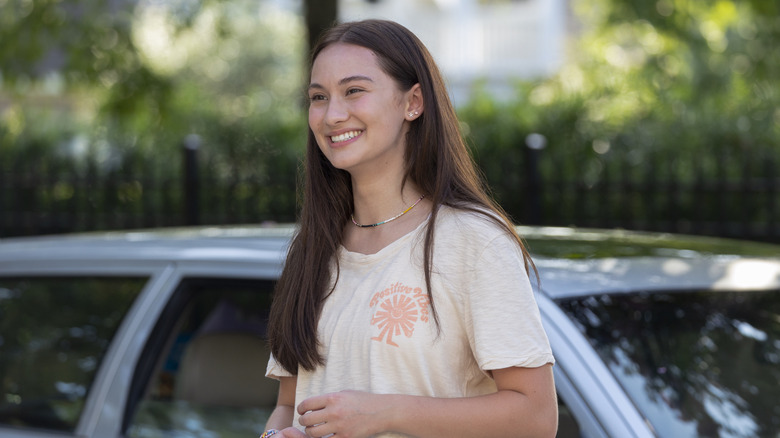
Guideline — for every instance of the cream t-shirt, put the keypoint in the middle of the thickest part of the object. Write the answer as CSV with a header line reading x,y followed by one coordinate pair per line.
x,y
377,332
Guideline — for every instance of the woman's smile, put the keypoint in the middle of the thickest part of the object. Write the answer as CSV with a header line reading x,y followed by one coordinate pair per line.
x,y
342,139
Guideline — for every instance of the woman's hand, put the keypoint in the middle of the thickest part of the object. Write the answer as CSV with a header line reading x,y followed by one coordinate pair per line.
x,y
349,414
523,406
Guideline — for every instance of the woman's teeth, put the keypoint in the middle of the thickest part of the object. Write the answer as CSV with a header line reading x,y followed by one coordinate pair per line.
x,y
345,136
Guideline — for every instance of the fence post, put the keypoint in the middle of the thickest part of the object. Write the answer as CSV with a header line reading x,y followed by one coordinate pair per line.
x,y
771,183
191,182
533,190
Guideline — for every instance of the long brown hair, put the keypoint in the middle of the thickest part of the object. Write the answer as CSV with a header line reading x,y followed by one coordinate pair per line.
x,y
437,161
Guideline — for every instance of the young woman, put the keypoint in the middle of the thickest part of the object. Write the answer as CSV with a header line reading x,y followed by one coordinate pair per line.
x,y
405,306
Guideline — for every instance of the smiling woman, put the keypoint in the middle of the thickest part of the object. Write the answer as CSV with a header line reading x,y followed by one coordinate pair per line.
x,y
358,119
403,276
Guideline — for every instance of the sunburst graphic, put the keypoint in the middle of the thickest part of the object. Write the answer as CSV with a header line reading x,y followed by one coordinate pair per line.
x,y
395,315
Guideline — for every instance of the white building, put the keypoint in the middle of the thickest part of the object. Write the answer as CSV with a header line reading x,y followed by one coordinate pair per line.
x,y
491,40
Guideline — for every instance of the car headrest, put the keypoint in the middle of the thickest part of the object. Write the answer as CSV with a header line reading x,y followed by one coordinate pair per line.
x,y
226,369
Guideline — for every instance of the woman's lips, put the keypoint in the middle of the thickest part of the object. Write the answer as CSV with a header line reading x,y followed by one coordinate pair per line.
x,y
349,135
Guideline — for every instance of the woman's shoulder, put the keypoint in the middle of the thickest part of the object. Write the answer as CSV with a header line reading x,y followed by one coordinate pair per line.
x,y
474,225
463,237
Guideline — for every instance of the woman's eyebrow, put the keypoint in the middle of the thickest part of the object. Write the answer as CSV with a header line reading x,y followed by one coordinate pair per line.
x,y
344,81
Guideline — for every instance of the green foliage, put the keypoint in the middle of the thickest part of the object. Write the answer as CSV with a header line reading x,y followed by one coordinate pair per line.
x,y
81,39
97,99
682,92
72,44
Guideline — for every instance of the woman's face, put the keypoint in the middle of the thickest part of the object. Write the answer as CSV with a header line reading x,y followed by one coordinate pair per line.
x,y
357,112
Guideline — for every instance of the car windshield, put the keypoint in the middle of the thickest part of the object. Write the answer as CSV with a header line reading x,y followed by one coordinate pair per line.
x,y
54,333
695,363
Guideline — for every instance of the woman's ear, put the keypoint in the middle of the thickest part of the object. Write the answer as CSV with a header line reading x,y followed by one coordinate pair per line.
x,y
414,102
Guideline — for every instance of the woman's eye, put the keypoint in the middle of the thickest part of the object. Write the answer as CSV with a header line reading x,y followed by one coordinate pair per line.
x,y
317,97
353,91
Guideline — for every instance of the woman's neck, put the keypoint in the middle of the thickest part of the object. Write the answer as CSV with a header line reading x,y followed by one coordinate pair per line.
x,y
376,203
379,200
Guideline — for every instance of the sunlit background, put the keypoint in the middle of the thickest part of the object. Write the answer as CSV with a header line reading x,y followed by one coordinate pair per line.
x,y
649,115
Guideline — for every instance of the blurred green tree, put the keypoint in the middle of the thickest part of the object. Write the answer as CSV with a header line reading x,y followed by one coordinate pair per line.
x,y
117,85
76,44
670,90
107,55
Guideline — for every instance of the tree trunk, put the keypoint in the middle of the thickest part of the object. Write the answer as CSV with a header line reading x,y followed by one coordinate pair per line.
x,y
320,15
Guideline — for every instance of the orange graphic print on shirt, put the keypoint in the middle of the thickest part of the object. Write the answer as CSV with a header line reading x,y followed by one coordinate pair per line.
x,y
400,307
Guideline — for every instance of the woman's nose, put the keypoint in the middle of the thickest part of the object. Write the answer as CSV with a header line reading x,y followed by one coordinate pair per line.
x,y
336,113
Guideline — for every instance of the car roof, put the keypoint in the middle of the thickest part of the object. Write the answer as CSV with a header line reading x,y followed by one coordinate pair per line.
x,y
576,262
571,261
167,244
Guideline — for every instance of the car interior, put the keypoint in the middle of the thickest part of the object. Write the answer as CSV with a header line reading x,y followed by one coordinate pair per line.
x,y
204,367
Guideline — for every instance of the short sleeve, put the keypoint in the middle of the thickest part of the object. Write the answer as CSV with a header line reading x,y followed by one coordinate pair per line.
x,y
274,370
502,317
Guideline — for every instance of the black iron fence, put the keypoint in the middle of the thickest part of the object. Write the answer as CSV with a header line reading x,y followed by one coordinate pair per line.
x,y
710,198
736,197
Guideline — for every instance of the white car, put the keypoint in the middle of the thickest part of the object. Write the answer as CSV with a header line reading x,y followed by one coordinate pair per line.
x,y
162,333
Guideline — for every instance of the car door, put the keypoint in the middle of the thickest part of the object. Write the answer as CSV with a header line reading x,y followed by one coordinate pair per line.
x,y
591,402
61,322
198,365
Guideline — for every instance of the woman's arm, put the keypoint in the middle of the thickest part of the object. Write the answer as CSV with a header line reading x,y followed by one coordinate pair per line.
x,y
524,406
282,416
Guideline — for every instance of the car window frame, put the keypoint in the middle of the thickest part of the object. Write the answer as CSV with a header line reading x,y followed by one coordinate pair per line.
x,y
595,398
109,422
155,272
148,359
104,408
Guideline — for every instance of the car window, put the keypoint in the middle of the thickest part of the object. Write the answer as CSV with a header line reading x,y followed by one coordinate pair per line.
x,y
203,371
568,426
695,363
54,332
